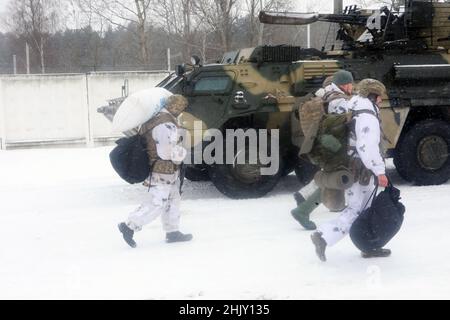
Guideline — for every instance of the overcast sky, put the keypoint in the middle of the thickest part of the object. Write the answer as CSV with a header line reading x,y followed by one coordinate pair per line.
x,y
301,4
3,4
2,8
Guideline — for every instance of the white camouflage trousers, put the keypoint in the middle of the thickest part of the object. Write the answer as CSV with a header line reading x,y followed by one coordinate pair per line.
x,y
356,199
163,200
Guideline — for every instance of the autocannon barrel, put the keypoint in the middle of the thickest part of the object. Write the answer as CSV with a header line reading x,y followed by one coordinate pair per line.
x,y
295,18
422,72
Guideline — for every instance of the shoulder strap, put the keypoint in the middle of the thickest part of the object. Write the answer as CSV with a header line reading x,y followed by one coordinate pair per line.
x,y
374,112
160,118
371,112
376,115
333,95
156,163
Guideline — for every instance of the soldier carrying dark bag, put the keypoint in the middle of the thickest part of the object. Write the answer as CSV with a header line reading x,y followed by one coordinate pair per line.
x,y
166,155
366,164
378,224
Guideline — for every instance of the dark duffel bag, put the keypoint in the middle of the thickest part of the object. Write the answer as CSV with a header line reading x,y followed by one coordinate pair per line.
x,y
378,224
130,159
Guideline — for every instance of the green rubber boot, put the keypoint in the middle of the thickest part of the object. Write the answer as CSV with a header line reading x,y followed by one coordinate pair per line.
x,y
305,208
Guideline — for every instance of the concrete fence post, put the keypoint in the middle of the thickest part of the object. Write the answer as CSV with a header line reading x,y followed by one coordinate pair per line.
x,y
89,124
27,54
14,64
2,119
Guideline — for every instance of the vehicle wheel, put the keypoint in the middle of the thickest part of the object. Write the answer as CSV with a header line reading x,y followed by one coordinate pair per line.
x,y
423,155
243,181
305,172
197,173
399,166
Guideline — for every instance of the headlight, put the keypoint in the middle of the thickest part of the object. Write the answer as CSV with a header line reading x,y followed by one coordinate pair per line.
x,y
195,60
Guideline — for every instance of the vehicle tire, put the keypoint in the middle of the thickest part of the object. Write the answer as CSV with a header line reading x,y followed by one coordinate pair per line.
x,y
305,172
243,181
423,155
225,180
197,173
399,166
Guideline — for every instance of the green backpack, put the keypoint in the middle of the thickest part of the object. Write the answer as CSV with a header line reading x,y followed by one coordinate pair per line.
x,y
326,135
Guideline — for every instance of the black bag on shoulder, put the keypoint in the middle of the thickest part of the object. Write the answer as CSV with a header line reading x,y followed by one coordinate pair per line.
x,y
130,159
378,224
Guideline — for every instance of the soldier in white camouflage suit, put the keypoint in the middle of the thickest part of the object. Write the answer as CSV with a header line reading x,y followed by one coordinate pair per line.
x,y
367,165
166,154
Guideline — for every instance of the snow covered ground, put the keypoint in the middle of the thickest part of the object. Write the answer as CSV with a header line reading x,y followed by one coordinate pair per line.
x,y
59,210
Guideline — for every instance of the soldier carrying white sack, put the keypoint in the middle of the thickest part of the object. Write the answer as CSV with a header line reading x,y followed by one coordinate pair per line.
x,y
166,154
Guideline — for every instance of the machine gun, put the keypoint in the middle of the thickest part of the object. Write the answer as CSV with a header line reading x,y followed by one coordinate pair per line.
x,y
352,15
422,25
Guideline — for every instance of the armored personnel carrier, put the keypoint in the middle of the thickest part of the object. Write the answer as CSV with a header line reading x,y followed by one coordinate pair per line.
x,y
259,88
254,88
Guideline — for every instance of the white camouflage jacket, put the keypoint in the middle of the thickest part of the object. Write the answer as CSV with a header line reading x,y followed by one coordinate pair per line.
x,y
168,147
337,106
367,135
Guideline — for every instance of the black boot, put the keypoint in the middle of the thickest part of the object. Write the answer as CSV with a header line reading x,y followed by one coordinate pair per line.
x,y
127,234
376,253
177,236
320,245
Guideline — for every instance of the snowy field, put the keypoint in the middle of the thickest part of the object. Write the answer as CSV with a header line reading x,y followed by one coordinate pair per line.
x,y
59,210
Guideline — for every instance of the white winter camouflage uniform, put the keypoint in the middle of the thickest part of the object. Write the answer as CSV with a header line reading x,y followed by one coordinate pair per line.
x,y
366,144
164,196
339,105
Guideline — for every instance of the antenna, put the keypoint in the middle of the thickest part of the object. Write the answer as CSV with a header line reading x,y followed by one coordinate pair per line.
x,y
125,89
338,6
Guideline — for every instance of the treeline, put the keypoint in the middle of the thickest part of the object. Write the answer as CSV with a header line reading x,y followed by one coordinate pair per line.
x,y
71,36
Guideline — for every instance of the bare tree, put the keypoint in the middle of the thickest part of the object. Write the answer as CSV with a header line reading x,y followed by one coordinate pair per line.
x,y
252,9
179,20
34,19
128,14
220,16
83,14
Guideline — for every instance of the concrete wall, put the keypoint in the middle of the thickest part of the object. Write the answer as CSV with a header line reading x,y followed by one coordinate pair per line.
x,y
62,108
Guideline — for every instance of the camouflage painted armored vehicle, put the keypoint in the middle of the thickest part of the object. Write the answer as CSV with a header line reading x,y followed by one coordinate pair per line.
x,y
408,51
260,88
254,88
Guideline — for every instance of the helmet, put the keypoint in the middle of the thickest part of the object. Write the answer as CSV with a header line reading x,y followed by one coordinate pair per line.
x,y
176,104
371,86
342,77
